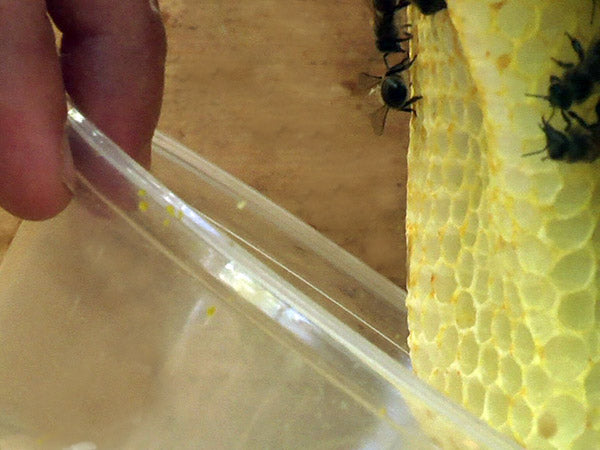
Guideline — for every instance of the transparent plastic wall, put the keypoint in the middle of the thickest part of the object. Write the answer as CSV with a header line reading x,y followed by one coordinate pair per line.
x,y
135,320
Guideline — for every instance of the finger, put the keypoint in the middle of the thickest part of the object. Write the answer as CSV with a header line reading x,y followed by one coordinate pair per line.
x,y
113,55
32,113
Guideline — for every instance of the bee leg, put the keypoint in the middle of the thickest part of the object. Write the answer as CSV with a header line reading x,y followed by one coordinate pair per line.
x,y
407,34
412,100
536,152
580,120
376,77
401,66
567,120
554,79
409,102
398,48
564,65
577,47
545,97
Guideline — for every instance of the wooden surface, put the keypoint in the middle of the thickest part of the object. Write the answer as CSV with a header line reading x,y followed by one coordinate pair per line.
x,y
8,227
267,90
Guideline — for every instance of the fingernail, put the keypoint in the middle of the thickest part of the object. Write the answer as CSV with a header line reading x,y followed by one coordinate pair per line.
x,y
154,6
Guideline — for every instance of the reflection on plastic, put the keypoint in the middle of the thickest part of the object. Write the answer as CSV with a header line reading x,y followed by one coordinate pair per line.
x,y
110,342
84,139
151,328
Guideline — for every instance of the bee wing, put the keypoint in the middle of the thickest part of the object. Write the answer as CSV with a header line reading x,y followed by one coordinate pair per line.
x,y
366,82
378,119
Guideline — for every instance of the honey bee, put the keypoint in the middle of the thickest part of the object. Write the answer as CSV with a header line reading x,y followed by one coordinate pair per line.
x,y
387,33
394,92
575,144
577,81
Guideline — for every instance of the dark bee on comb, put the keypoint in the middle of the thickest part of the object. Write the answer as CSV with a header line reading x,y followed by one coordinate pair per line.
x,y
575,144
429,7
578,80
394,92
387,33
569,146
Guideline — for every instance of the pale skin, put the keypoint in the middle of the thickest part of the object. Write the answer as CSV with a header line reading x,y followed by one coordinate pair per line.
x,y
111,63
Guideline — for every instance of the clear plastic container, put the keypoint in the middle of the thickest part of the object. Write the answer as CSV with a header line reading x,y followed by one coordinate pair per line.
x,y
202,316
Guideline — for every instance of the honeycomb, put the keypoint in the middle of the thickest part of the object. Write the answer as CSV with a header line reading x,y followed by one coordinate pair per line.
x,y
503,248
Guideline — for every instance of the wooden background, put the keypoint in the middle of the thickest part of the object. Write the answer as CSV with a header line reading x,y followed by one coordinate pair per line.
x,y
267,90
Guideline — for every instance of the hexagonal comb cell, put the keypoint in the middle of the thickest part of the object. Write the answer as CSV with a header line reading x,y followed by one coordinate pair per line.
x,y
515,268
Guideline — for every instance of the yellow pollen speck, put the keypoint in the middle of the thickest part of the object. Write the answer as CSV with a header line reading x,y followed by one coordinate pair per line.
x,y
210,311
142,193
503,61
171,210
241,204
167,222
143,206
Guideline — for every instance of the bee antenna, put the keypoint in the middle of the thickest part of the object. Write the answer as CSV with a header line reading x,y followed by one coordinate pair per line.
x,y
545,97
534,153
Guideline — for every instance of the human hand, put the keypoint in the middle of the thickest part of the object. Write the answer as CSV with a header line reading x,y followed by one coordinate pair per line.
x,y
111,64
